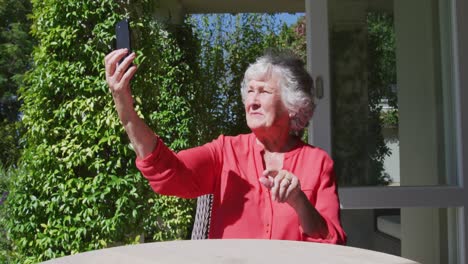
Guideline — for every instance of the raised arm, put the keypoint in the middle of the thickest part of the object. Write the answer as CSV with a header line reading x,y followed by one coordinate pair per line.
x,y
118,78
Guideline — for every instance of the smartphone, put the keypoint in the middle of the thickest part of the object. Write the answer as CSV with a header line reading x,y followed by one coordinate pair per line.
x,y
123,37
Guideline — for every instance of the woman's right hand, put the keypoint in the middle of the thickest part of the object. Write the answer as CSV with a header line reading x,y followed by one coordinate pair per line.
x,y
118,78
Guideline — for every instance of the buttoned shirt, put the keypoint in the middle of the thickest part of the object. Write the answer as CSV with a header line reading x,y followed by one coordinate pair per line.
x,y
230,168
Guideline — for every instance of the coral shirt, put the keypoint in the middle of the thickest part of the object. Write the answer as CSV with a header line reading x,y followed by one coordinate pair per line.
x,y
229,168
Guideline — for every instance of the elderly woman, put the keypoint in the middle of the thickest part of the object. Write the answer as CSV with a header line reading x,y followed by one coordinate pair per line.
x,y
267,184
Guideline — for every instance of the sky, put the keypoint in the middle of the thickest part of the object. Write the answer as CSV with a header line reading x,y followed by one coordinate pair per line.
x,y
290,18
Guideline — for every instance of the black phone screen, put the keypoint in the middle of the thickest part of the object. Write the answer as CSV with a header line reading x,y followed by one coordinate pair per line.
x,y
122,33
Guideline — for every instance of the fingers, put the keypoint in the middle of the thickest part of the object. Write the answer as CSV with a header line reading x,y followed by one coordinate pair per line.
x,y
268,178
129,74
123,67
111,59
118,76
267,182
281,184
292,189
282,187
270,172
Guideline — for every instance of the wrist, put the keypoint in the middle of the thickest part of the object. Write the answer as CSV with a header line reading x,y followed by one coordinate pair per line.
x,y
128,119
124,108
122,98
298,201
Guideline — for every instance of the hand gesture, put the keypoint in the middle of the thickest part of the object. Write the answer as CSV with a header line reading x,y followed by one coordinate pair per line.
x,y
118,76
284,186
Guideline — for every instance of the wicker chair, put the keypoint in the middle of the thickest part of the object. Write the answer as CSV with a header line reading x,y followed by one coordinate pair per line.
x,y
201,225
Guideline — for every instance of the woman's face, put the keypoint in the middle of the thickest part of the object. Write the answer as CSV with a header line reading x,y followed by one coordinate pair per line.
x,y
264,108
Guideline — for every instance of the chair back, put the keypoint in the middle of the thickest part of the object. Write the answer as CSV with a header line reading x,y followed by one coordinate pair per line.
x,y
201,225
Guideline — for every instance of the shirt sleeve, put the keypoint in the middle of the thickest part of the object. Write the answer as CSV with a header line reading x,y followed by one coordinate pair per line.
x,y
328,205
187,174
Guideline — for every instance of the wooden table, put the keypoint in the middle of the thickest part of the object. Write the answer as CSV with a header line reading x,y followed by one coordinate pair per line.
x,y
232,251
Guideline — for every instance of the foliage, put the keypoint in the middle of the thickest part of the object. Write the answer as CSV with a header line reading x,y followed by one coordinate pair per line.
x,y
79,189
5,245
381,80
228,44
360,82
389,118
359,146
169,91
382,58
8,175
15,48
10,142
294,37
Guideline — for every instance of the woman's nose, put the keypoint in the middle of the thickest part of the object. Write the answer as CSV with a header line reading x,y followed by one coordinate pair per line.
x,y
255,106
253,101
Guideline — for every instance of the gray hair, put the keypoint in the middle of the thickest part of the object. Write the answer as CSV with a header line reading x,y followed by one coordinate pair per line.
x,y
295,83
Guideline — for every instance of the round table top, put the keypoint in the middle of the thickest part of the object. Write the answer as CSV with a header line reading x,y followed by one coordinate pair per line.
x,y
230,251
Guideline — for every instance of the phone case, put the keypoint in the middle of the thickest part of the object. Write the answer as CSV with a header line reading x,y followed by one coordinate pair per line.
x,y
122,33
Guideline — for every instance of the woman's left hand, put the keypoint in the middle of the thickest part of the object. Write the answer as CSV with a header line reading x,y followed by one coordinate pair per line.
x,y
284,186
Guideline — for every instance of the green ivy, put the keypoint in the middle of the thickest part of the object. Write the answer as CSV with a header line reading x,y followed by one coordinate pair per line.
x,y
389,118
6,177
79,189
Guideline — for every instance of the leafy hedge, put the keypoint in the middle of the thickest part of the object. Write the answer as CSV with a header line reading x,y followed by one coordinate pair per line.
x,y
5,245
15,49
79,189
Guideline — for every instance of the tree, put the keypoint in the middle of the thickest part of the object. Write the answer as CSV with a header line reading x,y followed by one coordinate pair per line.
x,y
359,146
15,49
228,44
382,79
382,58
294,37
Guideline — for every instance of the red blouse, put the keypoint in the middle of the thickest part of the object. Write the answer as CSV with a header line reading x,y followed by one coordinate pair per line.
x,y
229,168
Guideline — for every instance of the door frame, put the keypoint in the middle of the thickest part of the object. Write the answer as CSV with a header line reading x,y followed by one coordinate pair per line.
x,y
318,63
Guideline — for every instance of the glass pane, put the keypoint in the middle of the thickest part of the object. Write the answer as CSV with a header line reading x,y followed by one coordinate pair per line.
x,y
425,235
392,85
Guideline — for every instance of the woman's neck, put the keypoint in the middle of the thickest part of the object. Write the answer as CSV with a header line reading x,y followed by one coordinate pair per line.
x,y
275,142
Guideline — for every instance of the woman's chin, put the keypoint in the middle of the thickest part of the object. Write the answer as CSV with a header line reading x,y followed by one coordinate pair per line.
x,y
260,128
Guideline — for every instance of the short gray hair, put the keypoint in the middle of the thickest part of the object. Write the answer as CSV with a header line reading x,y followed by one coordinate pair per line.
x,y
296,84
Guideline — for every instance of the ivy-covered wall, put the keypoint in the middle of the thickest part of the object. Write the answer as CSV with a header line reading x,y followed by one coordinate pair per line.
x,y
78,189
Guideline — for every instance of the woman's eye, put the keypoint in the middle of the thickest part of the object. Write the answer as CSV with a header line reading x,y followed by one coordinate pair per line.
x,y
250,91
